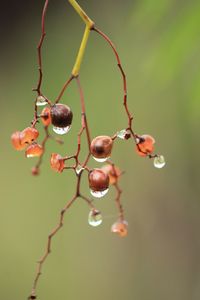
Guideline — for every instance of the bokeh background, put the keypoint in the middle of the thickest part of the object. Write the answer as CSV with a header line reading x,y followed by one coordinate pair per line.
x,y
159,45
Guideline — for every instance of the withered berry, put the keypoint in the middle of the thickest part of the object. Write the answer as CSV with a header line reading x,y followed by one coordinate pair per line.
x,y
98,183
16,140
113,173
101,148
120,227
29,135
34,150
46,116
57,162
145,145
35,171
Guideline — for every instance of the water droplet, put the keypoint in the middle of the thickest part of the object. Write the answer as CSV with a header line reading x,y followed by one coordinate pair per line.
x,y
79,169
159,161
61,130
41,101
123,134
99,194
94,218
101,159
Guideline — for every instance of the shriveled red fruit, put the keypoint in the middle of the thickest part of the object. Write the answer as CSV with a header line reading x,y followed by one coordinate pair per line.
x,y
120,227
57,162
46,116
61,115
16,140
29,135
101,147
35,171
34,150
98,180
113,173
145,146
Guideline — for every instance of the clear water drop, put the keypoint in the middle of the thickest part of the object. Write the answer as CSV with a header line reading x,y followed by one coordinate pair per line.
x,y
94,218
79,169
41,101
101,159
98,194
123,134
61,130
159,161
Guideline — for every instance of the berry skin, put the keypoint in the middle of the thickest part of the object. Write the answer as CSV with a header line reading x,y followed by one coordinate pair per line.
x,y
145,145
34,150
61,115
113,173
98,180
16,140
120,227
57,162
101,146
29,135
46,116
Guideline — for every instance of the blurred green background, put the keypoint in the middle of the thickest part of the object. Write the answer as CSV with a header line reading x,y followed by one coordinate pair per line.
x,y
159,45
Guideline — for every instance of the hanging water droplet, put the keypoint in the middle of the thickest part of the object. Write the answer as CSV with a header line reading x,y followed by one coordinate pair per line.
x,y
99,194
94,218
61,130
41,101
123,134
79,169
101,159
159,161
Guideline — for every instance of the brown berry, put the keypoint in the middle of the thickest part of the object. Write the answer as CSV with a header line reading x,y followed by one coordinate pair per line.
x,y
61,115
101,147
98,180
35,171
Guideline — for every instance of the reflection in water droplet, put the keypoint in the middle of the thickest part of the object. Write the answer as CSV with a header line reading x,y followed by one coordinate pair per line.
x,y
79,169
94,218
30,155
159,161
101,159
61,130
99,194
41,101
123,134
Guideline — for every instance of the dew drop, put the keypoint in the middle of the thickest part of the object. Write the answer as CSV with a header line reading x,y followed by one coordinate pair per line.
x,y
94,218
123,134
61,130
159,161
79,169
41,101
99,194
101,159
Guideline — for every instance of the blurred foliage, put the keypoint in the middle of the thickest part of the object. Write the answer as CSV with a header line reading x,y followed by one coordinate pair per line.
x,y
159,44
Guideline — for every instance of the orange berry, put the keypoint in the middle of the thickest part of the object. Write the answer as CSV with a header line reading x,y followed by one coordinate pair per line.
x,y
29,135
101,147
16,140
120,227
145,146
113,173
57,162
34,150
46,116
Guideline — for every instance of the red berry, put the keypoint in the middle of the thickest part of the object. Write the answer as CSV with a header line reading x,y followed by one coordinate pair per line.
x,y
101,147
16,140
113,173
29,135
34,150
46,116
61,115
57,162
145,146
98,180
35,171
121,228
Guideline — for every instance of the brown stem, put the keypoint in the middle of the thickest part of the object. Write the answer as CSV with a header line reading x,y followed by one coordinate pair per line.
x,y
64,88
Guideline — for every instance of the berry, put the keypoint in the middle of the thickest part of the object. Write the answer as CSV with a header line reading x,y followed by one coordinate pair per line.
x,y
29,135
57,162
34,150
46,116
101,147
16,140
145,145
120,227
98,180
35,171
61,115
113,173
